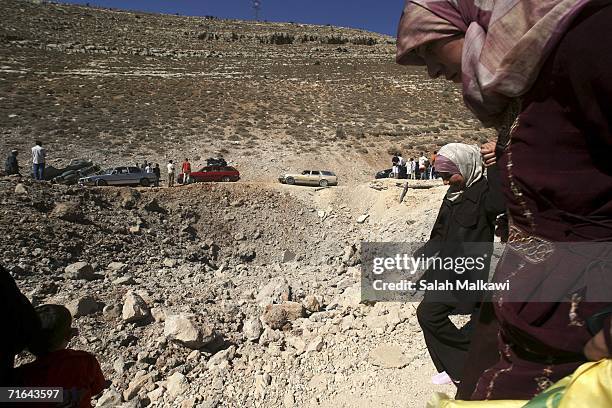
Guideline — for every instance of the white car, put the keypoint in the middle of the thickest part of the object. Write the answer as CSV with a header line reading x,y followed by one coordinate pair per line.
x,y
120,176
321,178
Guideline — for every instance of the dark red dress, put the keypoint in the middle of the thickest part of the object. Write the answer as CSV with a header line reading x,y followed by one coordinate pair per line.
x,y
557,175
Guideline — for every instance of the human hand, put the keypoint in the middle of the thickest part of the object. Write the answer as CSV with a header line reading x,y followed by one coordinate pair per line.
x,y
487,151
596,348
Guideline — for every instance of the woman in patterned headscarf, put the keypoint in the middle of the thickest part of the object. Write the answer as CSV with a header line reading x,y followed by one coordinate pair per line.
x,y
539,72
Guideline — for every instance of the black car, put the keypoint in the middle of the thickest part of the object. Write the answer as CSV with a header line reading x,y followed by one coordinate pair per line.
x,y
388,173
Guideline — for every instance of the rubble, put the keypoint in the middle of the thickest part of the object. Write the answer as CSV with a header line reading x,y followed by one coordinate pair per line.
x,y
134,309
83,306
208,259
277,316
185,330
79,270
68,211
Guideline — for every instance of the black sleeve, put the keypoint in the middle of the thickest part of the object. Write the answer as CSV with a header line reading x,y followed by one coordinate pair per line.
x,y
495,202
432,246
20,321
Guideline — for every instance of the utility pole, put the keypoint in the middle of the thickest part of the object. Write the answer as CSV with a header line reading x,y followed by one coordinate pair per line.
x,y
256,8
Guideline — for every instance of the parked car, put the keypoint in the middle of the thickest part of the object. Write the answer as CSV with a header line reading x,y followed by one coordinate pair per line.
x,y
383,174
321,178
212,173
388,173
119,176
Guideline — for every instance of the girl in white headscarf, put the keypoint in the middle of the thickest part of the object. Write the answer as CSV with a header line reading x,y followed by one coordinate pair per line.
x,y
467,215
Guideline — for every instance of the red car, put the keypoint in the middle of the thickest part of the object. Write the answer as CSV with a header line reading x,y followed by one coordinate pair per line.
x,y
212,173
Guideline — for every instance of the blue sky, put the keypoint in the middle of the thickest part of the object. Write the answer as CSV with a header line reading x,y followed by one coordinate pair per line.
x,y
379,16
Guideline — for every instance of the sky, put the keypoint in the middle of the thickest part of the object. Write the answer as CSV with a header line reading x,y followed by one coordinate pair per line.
x,y
380,16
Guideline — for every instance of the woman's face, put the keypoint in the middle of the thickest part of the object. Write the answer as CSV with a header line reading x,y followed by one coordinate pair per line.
x,y
456,181
443,57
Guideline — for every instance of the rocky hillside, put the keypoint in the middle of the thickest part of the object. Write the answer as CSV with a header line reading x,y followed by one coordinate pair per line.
x,y
119,86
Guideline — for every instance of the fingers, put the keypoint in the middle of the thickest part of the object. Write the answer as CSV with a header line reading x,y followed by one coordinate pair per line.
x,y
487,150
596,348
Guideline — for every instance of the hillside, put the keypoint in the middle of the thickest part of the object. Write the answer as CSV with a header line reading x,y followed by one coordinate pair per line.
x,y
119,86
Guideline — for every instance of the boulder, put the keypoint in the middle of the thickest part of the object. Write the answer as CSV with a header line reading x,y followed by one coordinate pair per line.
x,y
79,270
68,211
252,329
277,316
117,267
276,291
176,384
109,399
139,381
135,309
169,262
185,330
83,306
221,357
20,189
153,206
313,303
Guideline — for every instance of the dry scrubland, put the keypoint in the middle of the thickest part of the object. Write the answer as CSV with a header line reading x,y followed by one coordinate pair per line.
x,y
116,86
232,295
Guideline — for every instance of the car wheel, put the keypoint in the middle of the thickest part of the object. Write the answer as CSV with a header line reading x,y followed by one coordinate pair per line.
x,y
323,183
226,179
290,180
101,183
145,182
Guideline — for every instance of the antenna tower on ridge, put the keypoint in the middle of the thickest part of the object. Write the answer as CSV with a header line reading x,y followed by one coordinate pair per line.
x,y
257,8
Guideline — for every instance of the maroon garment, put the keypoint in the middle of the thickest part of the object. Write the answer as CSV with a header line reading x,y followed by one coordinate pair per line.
x,y
77,372
558,187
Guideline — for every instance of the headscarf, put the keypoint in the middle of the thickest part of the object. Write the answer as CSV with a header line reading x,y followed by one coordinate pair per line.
x,y
466,159
506,43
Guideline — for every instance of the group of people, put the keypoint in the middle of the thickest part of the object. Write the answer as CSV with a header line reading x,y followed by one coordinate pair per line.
x,y
185,171
539,73
419,169
39,158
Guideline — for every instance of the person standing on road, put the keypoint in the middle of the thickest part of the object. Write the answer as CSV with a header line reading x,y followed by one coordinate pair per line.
x,y
170,173
422,167
432,163
11,166
157,172
412,168
186,169
39,156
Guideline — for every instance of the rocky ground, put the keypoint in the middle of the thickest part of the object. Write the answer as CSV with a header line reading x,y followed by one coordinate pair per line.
x,y
224,295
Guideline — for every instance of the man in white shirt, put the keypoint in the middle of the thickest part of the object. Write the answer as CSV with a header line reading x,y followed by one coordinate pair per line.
x,y
39,156
170,173
422,168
